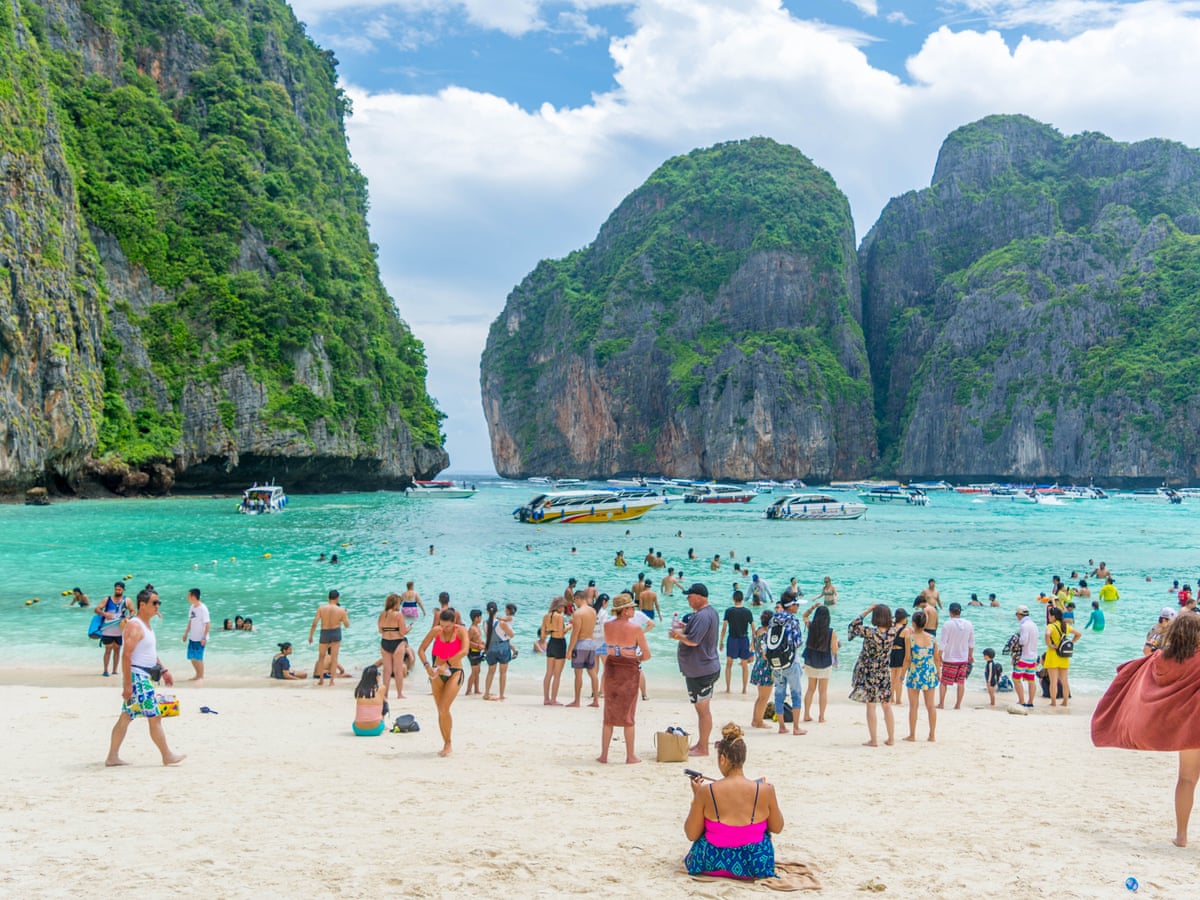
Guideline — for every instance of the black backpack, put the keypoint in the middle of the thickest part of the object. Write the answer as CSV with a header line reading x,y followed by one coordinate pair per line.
x,y
1066,646
778,647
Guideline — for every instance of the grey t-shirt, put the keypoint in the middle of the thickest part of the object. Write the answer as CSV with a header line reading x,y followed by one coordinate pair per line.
x,y
703,627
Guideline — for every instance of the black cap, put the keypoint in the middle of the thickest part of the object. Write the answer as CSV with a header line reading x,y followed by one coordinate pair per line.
x,y
698,588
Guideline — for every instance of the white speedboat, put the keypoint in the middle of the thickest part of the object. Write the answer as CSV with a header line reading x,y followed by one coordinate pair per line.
x,y
588,506
814,506
718,493
1076,492
1012,493
895,494
1161,494
262,499
447,490
928,486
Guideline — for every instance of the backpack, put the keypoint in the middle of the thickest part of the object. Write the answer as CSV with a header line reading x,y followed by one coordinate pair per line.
x,y
1066,646
1012,647
778,648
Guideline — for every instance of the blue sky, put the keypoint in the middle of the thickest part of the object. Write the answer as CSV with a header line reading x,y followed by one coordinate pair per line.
x,y
495,133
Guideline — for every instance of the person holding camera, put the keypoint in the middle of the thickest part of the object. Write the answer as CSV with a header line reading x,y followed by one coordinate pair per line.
x,y
732,818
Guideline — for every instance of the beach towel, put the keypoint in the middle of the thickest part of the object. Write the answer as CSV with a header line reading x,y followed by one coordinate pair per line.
x,y
788,877
1150,705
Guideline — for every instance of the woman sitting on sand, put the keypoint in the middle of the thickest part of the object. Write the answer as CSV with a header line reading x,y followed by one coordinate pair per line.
x,y
626,649
1150,705
281,666
369,706
761,676
732,819
450,645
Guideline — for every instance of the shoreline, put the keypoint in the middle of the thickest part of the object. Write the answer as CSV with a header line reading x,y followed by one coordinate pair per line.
x,y
238,812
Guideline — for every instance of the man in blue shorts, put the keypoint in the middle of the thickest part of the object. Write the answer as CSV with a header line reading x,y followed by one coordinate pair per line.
x,y
196,633
738,621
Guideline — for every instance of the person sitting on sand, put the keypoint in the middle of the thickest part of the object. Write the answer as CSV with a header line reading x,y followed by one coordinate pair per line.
x,y
731,819
369,707
281,666
626,648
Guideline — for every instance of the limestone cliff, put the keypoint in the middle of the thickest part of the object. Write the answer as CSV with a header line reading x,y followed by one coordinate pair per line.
x,y
188,293
710,330
1034,312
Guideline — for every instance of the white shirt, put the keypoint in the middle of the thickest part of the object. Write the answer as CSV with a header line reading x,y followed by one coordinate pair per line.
x,y
958,639
198,620
1028,633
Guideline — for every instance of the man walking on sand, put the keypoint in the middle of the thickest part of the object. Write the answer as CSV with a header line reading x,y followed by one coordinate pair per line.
x,y
699,662
582,651
958,653
139,658
332,619
196,633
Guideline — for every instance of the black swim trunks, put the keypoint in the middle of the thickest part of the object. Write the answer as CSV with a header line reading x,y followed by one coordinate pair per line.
x,y
701,688
556,648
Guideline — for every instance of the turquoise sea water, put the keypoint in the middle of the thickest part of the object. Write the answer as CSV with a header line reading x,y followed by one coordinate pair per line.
x,y
479,554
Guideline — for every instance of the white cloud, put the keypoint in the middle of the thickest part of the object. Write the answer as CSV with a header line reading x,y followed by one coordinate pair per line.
x,y
866,7
469,191
512,17
1070,16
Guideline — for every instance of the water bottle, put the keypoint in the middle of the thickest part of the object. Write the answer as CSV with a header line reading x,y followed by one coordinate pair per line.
x,y
676,624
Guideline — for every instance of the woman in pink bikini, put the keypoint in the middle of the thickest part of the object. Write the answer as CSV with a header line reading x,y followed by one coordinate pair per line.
x,y
732,819
450,645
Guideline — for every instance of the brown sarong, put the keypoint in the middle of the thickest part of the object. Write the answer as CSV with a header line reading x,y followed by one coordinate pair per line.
x,y
620,691
1150,705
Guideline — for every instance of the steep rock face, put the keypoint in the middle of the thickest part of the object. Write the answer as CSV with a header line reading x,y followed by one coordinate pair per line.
x,y
49,304
240,330
709,331
1032,313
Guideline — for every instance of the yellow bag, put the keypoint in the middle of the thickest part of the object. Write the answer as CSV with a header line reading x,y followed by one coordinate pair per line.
x,y
671,747
168,705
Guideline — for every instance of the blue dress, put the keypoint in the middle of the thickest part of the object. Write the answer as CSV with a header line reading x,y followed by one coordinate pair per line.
x,y
922,670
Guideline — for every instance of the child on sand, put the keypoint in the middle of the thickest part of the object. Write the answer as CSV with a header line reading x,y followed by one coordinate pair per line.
x,y
991,674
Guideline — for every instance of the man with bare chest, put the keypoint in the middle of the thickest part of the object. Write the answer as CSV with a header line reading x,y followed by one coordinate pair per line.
x,y
332,618
582,651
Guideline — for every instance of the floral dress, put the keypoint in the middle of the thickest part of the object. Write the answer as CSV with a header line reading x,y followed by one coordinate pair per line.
x,y
872,680
922,668
761,674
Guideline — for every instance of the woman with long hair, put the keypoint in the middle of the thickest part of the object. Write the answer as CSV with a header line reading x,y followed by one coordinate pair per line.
x,y
450,645
761,676
554,629
872,682
896,656
370,707
497,644
393,643
820,650
1151,705
1057,666
626,650
732,818
923,660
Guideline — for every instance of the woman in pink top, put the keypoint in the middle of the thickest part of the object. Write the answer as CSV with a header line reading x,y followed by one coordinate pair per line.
x,y
450,644
731,820
369,705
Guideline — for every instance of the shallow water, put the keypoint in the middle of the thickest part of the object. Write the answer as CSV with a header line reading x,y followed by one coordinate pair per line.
x,y
383,540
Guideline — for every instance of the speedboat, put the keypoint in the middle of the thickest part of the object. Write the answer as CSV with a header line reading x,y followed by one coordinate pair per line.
x,y
1164,494
1012,493
447,490
928,486
814,506
588,506
895,494
976,488
718,493
1090,492
261,499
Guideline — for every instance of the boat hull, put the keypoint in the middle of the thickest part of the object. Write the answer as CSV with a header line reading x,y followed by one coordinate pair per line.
x,y
589,515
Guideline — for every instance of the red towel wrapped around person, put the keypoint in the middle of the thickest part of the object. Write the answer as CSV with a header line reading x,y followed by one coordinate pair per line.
x,y
1152,704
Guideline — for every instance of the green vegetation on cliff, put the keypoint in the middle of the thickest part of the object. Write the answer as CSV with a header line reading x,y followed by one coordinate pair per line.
x,y
215,154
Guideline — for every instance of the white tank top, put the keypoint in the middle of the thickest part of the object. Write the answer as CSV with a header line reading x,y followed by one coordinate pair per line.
x,y
145,654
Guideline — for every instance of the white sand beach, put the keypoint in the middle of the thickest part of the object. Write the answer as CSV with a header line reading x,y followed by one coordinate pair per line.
x,y
276,795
